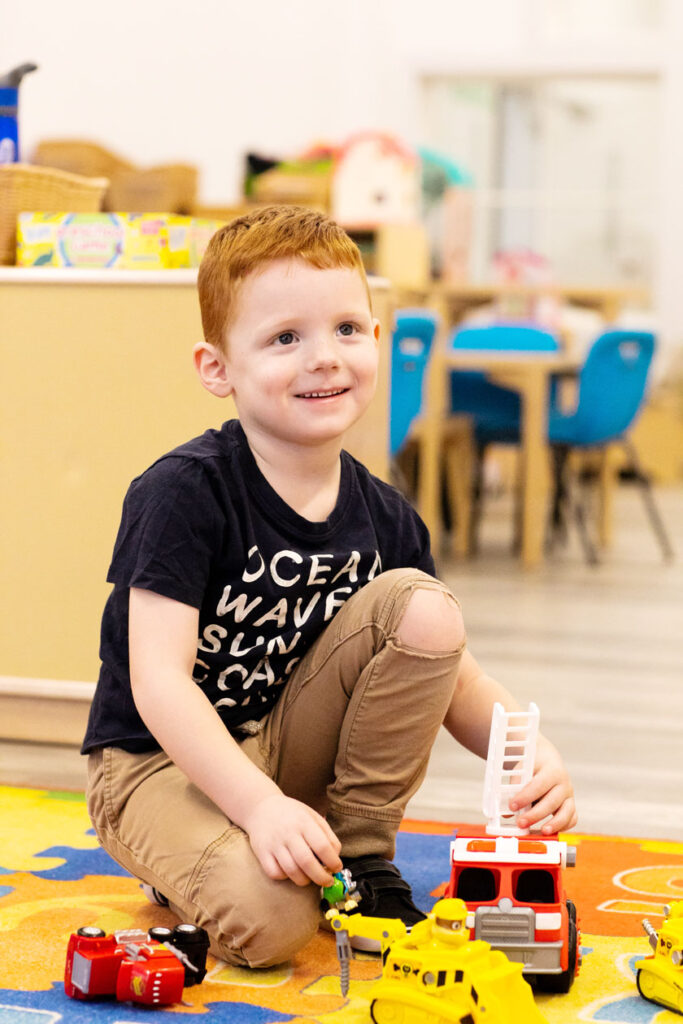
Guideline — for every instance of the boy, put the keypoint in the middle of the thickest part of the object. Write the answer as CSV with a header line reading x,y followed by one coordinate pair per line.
x,y
277,655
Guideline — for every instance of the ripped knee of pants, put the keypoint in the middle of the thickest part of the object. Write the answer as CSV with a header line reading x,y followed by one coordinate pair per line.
x,y
432,621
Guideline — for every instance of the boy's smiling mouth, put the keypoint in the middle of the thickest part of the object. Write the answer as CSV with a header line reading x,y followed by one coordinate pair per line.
x,y
329,393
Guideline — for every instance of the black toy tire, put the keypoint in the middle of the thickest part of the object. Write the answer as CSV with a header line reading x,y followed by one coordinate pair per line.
x,y
161,934
194,942
91,933
188,932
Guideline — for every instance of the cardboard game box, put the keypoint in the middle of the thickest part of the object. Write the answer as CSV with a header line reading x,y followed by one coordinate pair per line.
x,y
127,241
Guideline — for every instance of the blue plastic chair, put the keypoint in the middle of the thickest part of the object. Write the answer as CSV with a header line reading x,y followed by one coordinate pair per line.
x,y
412,342
611,391
495,411
411,345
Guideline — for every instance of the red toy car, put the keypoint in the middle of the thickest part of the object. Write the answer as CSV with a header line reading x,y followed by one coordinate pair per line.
x,y
151,968
514,890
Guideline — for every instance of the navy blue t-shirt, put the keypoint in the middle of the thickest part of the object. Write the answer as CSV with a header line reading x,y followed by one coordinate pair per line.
x,y
203,526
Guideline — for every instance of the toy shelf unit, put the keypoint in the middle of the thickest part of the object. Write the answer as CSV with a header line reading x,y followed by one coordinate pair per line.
x,y
509,766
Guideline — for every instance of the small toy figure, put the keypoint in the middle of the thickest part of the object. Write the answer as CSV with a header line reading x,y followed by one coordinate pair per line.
x,y
151,968
660,976
436,972
342,894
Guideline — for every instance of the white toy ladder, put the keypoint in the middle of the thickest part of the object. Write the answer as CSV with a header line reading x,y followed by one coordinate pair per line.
x,y
509,766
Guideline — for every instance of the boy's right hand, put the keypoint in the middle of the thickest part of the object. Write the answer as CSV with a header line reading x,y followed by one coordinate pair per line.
x,y
291,840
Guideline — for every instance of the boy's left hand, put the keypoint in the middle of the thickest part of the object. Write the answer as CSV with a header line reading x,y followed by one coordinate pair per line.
x,y
549,792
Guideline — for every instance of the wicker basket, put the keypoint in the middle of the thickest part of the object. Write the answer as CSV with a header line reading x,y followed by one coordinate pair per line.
x,y
24,187
165,188
80,157
168,188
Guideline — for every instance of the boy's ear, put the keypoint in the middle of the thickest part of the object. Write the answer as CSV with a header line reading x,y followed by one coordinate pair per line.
x,y
212,369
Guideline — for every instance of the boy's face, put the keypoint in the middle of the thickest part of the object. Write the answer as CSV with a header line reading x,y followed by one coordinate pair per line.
x,y
301,352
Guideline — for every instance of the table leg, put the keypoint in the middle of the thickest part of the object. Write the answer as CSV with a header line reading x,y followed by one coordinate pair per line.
x,y
535,471
428,497
532,388
459,457
608,481
430,436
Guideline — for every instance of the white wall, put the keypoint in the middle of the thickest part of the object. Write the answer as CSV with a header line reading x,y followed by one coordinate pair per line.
x,y
167,79
162,80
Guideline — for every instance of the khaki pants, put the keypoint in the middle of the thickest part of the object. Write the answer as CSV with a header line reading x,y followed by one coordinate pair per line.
x,y
350,736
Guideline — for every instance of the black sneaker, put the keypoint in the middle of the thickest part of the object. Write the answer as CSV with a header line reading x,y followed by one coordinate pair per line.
x,y
153,895
384,893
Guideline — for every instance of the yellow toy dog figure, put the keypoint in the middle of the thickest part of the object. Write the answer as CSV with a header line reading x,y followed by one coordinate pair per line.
x,y
660,976
435,973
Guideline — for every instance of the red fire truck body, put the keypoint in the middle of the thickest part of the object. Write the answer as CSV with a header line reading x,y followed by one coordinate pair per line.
x,y
514,890
130,966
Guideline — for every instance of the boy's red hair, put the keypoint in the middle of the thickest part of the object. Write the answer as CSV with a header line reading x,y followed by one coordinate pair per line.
x,y
248,242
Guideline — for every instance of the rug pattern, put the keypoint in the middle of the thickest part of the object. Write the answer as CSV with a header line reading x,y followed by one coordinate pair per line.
x,y
54,878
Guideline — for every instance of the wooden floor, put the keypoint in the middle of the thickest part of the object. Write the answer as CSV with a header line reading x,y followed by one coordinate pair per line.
x,y
600,650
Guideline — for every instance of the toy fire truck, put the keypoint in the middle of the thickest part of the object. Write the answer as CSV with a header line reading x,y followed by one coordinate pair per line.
x,y
515,897
512,880
151,968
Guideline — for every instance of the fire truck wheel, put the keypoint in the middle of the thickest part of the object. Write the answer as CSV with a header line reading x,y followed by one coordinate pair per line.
x,y
160,934
194,942
91,933
189,931
561,983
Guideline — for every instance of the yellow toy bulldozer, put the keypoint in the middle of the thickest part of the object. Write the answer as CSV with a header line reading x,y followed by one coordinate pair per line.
x,y
660,976
434,974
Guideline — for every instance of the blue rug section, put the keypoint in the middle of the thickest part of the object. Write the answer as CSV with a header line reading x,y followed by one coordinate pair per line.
x,y
78,864
54,1006
632,1010
425,862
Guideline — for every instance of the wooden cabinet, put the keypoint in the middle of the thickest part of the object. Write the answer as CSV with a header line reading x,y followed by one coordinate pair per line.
x,y
97,382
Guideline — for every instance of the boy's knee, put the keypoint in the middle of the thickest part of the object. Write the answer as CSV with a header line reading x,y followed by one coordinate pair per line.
x,y
274,930
432,621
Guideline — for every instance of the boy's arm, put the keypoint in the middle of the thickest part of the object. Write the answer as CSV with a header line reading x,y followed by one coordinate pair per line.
x,y
290,839
468,720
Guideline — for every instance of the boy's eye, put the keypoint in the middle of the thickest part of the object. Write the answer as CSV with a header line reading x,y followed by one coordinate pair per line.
x,y
286,338
346,329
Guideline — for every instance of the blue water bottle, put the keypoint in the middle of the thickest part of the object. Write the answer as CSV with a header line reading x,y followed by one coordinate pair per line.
x,y
9,101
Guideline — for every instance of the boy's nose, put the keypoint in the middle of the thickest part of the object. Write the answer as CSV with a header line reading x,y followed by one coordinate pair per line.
x,y
323,352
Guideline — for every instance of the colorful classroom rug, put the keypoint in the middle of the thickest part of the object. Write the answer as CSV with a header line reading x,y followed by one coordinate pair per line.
x,y
54,879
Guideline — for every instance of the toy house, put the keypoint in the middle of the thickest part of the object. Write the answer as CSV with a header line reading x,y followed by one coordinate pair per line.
x,y
376,180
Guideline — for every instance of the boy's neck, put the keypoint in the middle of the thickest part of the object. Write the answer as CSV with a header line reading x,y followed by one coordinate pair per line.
x,y
307,478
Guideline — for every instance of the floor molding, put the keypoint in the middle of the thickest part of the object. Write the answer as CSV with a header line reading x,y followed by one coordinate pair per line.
x,y
44,710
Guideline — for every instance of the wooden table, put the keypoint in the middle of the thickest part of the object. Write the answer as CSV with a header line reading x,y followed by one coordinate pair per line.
x,y
453,301
528,373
